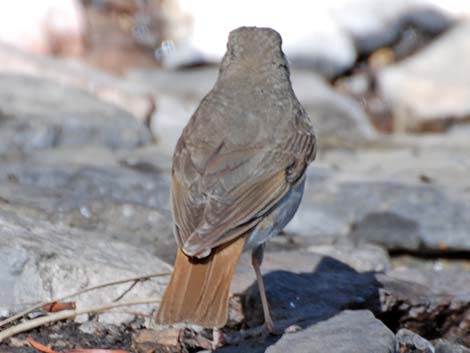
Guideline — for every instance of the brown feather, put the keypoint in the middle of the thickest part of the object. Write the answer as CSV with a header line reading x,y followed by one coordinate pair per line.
x,y
198,291
247,207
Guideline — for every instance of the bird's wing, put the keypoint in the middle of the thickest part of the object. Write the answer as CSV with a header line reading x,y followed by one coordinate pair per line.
x,y
226,197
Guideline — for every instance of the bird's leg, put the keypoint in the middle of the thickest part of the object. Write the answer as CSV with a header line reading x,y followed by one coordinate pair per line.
x,y
256,260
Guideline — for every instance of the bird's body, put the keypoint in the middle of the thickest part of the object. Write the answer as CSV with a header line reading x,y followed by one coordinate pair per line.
x,y
237,177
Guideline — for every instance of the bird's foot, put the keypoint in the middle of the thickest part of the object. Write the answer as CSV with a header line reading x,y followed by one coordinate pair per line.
x,y
269,329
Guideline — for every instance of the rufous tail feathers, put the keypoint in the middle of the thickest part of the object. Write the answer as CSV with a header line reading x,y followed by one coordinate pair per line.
x,y
198,291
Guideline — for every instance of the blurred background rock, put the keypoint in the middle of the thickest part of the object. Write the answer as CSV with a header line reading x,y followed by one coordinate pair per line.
x,y
94,94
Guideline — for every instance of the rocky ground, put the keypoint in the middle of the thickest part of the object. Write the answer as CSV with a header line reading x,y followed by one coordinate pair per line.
x,y
376,260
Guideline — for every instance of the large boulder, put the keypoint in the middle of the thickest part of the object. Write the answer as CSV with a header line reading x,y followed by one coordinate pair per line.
x,y
413,198
349,331
40,114
92,189
430,90
104,86
40,261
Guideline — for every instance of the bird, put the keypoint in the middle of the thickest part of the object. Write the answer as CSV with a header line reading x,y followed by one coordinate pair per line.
x,y
238,177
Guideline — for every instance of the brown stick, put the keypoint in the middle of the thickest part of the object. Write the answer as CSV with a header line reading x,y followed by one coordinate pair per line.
x,y
38,306
62,315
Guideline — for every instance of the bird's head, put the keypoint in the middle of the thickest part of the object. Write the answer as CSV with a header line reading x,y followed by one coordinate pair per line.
x,y
254,47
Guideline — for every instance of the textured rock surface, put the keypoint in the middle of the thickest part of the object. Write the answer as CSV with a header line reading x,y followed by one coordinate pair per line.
x,y
443,346
122,93
363,258
452,280
430,91
93,190
400,198
423,310
38,114
357,260
311,291
350,331
408,341
40,261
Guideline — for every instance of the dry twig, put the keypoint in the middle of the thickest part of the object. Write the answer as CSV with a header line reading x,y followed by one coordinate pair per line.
x,y
62,315
104,285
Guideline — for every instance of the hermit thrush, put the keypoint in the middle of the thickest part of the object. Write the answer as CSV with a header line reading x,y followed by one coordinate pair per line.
x,y
237,178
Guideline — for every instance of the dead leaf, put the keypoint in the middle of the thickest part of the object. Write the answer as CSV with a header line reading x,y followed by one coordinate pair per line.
x,y
59,306
40,347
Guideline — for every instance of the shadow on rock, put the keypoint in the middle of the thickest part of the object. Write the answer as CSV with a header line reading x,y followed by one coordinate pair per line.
x,y
305,299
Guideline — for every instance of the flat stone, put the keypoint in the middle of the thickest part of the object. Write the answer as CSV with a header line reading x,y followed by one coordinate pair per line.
x,y
339,121
367,258
93,190
349,331
452,281
429,91
443,346
121,93
408,341
48,261
401,198
302,287
39,114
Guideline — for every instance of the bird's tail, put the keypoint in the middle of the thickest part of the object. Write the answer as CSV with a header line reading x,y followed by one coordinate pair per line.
x,y
198,290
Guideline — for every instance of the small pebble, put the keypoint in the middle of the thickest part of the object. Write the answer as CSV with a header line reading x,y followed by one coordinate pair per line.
x,y
293,329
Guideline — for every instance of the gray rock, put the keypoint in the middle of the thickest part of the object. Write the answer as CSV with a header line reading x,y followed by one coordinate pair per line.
x,y
48,261
349,331
92,327
422,309
39,114
364,258
169,119
192,84
93,190
305,288
408,341
443,346
374,25
361,260
300,290
415,198
443,278
122,93
429,91
339,121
